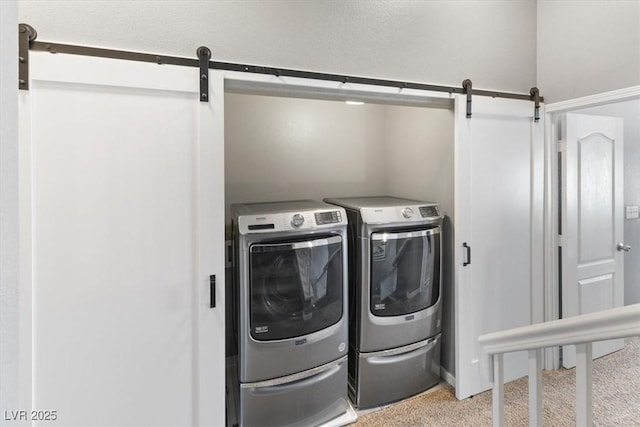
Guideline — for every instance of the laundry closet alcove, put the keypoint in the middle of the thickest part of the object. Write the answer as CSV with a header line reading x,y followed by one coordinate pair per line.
x,y
128,150
288,138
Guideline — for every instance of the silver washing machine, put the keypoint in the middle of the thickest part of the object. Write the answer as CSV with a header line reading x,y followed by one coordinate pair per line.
x,y
291,282
395,287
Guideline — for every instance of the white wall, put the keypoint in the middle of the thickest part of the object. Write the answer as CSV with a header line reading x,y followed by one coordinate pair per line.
x,y
587,47
630,112
290,148
492,42
9,315
280,148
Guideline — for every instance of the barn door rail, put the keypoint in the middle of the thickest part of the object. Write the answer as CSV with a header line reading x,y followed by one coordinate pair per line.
x,y
30,43
581,331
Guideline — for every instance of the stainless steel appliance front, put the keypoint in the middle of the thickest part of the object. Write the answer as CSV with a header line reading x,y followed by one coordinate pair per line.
x,y
291,282
401,270
395,292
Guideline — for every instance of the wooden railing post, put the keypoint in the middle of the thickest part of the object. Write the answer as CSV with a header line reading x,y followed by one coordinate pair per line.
x,y
535,387
498,390
619,322
584,402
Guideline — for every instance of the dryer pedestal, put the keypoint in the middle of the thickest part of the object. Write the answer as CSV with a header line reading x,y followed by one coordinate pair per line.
x,y
387,376
395,284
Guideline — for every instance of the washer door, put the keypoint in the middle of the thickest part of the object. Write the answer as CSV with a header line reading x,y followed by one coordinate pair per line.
x,y
405,271
296,287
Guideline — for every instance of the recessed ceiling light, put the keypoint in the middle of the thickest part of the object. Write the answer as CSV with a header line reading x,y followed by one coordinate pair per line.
x,y
355,102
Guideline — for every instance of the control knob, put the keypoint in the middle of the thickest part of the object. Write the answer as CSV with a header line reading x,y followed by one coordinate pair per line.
x,y
407,213
297,220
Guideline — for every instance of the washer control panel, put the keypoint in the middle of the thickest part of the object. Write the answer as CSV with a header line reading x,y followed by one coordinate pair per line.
x,y
407,213
429,211
283,221
329,217
297,220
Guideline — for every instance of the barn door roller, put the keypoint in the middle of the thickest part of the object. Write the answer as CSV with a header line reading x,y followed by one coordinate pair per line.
x,y
204,54
535,95
26,34
467,85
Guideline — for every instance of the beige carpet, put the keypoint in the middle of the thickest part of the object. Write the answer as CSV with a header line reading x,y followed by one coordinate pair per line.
x,y
616,399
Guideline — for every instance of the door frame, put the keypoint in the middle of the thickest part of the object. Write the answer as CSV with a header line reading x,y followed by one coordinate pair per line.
x,y
552,266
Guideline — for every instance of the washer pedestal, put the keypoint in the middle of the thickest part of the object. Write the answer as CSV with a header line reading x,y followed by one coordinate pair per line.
x,y
286,401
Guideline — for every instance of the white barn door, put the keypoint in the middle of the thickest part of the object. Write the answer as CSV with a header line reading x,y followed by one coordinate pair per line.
x,y
499,160
121,209
593,231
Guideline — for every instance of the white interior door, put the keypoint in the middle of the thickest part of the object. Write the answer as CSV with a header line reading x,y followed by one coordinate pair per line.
x,y
499,224
592,221
121,201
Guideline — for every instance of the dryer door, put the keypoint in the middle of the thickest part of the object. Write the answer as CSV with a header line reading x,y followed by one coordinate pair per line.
x,y
296,287
405,271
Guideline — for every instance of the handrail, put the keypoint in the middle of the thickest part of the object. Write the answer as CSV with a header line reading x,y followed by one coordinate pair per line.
x,y
580,330
614,323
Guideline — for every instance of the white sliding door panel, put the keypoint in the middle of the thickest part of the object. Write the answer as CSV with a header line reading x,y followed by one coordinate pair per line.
x,y
593,266
499,216
122,197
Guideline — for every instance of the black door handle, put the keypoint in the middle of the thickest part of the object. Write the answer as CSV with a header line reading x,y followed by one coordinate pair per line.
x,y
212,289
468,249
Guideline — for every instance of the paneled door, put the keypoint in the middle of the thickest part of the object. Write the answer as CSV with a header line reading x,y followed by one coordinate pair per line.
x,y
592,221
121,210
499,189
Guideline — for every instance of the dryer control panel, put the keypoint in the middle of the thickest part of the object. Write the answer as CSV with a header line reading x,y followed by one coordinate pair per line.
x,y
401,214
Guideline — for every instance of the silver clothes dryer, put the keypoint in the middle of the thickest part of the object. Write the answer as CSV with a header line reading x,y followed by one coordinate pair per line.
x,y
395,287
291,283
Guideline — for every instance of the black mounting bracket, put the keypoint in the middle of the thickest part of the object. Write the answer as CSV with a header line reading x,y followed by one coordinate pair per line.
x,y
467,85
535,95
204,54
26,34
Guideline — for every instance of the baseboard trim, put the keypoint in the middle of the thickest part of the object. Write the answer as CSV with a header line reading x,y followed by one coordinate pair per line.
x,y
448,377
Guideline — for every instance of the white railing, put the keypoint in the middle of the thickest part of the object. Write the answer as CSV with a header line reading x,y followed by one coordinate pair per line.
x,y
581,330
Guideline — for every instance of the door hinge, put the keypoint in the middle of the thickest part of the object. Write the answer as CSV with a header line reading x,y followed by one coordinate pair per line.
x,y
561,145
560,241
204,54
26,34
467,85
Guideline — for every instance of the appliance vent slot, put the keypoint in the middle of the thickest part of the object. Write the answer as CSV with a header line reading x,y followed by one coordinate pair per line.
x,y
261,227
